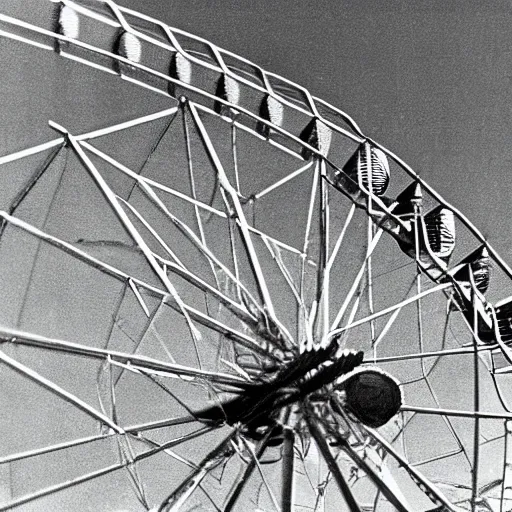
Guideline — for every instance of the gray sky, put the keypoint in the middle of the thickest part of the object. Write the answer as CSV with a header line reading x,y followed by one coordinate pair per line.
x,y
431,80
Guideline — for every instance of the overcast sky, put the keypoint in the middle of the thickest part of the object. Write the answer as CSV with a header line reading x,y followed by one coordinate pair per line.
x,y
429,79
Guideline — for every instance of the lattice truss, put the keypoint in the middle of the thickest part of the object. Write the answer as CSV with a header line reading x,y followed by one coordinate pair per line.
x,y
236,247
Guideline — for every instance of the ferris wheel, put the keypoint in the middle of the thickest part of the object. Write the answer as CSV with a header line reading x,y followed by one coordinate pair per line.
x,y
219,294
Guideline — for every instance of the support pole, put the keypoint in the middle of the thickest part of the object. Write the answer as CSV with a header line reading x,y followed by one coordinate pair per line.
x,y
287,496
506,486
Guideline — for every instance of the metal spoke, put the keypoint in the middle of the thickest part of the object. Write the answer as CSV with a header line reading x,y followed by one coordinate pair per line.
x,y
390,309
287,495
243,479
100,472
458,413
144,362
59,391
343,486
182,493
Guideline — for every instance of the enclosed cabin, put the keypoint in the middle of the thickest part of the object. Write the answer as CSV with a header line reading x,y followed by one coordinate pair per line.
x,y
429,238
180,69
129,47
67,24
471,278
318,135
272,111
365,173
434,231
501,360
227,90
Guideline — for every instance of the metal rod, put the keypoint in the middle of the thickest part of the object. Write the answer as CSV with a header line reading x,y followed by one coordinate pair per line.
x,y
413,472
284,180
435,353
209,322
137,177
343,486
476,399
243,224
182,493
32,150
357,280
22,338
100,472
242,481
383,312
288,468
58,391
307,336
458,413
506,485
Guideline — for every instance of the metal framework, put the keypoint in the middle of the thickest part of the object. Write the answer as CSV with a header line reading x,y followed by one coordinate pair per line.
x,y
248,235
